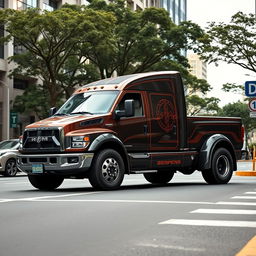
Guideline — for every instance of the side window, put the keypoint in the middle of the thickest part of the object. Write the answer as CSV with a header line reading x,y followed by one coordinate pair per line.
x,y
137,103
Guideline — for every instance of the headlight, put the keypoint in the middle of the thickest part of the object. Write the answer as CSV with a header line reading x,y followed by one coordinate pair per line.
x,y
80,141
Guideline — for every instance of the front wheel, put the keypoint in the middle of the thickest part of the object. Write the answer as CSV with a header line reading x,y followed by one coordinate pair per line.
x,y
10,168
222,168
45,182
160,177
107,171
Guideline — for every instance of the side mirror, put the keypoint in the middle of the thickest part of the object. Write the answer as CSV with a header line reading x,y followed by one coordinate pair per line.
x,y
52,111
128,110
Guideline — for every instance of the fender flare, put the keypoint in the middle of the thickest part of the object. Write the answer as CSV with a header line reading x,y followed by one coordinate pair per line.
x,y
108,140
208,148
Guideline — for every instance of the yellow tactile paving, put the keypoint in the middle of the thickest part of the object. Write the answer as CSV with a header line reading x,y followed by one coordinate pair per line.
x,y
249,249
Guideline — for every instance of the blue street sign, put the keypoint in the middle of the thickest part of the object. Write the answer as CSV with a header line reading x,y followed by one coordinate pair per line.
x,y
250,88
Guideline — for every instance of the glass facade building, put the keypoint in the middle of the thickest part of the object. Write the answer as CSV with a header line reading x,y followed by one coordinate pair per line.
x,y
176,8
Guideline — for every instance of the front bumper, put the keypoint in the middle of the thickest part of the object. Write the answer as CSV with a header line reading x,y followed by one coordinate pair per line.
x,y
60,164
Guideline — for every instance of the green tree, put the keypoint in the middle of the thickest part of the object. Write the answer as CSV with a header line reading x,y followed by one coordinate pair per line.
x,y
239,109
233,43
55,43
142,39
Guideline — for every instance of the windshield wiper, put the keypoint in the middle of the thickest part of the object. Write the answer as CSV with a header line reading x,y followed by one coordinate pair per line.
x,y
81,112
60,114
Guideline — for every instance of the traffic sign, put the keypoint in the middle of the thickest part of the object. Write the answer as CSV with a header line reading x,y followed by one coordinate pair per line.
x,y
13,119
253,114
250,88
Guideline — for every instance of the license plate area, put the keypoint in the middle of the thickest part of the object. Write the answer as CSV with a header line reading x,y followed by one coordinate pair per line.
x,y
37,168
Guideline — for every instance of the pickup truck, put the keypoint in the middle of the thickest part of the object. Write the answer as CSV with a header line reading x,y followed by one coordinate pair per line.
x,y
126,125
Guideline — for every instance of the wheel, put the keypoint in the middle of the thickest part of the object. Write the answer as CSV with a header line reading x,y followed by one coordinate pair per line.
x,y
160,177
45,182
221,168
107,171
10,168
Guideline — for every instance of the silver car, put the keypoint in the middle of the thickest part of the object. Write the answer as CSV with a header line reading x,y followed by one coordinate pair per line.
x,y
8,150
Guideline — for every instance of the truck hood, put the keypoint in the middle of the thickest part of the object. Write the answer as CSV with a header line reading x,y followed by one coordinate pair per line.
x,y
73,122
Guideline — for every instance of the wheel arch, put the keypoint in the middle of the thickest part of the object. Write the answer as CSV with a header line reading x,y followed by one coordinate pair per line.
x,y
110,141
210,146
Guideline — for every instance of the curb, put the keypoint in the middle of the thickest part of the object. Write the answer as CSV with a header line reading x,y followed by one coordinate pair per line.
x,y
245,173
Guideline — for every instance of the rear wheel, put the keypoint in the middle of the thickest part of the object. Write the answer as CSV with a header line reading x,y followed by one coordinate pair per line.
x,y
160,177
10,168
107,171
221,168
45,182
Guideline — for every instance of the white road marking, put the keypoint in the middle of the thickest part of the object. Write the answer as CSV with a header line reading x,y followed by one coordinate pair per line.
x,y
250,193
244,197
236,203
173,247
4,200
17,183
212,223
224,211
123,201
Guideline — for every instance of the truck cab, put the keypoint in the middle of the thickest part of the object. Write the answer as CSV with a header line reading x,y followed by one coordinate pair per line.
x,y
130,124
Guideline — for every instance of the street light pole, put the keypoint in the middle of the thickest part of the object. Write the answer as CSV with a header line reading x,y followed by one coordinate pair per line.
x,y
7,109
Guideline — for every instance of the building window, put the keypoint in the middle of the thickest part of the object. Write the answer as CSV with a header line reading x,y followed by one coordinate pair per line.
x,y
2,3
50,5
20,84
25,4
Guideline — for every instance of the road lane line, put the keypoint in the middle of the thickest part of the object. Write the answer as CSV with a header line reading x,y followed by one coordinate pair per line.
x,y
236,203
249,249
173,247
122,201
4,200
211,223
250,193
17,183
244,197
224,211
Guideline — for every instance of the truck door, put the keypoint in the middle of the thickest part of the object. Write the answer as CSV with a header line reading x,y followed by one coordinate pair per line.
x,y
164,130
133,131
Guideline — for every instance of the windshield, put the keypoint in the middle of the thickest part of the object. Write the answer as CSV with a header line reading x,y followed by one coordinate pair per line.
x,y
89,103
8,144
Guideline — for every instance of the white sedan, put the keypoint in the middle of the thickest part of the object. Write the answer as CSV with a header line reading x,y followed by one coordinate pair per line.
x,y
8,150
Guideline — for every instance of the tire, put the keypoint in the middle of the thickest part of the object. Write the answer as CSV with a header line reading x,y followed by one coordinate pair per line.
x,y
45,182
10,168
160,177
107,171
221,168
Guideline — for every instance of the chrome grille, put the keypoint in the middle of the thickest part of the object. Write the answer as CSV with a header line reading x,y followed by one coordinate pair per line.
x,y
42,139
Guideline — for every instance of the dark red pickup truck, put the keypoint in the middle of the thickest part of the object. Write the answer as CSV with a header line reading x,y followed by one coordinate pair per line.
x,y
130,124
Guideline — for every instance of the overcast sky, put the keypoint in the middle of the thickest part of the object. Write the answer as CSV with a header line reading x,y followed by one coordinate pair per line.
x,y
203,11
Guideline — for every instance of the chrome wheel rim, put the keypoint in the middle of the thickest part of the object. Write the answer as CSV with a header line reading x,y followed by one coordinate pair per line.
x,y
110,170
223,166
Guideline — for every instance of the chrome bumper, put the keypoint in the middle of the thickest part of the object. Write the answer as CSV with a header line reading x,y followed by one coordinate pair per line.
x,y
66,164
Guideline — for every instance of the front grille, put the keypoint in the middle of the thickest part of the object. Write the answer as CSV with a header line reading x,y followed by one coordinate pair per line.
x,y
42,139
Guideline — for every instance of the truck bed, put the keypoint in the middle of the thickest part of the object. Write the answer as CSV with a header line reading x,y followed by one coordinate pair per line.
x,y
201,127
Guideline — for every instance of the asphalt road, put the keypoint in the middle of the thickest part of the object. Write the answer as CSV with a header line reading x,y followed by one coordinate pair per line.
x,y
185,217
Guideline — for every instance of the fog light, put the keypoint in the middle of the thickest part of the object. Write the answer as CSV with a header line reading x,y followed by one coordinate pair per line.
x,y
72,160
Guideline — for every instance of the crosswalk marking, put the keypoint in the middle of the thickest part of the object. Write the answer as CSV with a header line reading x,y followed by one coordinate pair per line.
x,y
213,223
244,197
236,203
224,211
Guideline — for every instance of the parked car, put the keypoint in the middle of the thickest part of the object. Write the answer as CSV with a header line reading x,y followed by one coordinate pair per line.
x,y
8,150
